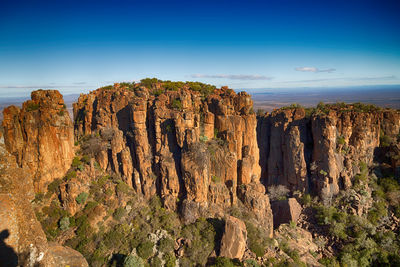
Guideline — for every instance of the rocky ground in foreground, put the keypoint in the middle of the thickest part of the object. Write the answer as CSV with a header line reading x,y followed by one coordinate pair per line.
x,y
166,173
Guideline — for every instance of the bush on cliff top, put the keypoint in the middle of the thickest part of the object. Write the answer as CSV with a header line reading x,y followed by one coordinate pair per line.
x,y
151,83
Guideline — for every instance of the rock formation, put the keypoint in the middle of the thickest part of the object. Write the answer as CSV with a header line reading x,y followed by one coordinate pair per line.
x,y
40,136
23,241
233,243
285,211
202,151
323,150
190,148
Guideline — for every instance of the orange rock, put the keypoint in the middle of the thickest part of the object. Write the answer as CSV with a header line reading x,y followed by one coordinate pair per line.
x,y
40,136
233,242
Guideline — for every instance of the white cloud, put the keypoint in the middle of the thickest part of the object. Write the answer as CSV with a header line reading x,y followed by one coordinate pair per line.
x,y
232,76
314,69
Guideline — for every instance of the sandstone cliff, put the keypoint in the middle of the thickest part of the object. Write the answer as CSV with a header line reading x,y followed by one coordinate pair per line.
x,y
191,148
324,149
22,239
40,136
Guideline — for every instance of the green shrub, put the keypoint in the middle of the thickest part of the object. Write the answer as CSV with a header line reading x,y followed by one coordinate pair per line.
x,y
123,187
203,138
324,173
90,207
389,184
177,104
385,141
32,107
64,223
77,164
158,92
292,106
149,82
215,179
70,175
170,259
133,261
306,199
145,249
377,211
251,263
216,132
321,107
53,187
202,236
338,230
340,140
166,245
224,262
81,198
85,159
107,87
119,213
257,239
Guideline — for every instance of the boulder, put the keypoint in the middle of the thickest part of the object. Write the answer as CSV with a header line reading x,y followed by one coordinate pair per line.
x,y
285,211
233,243
65,256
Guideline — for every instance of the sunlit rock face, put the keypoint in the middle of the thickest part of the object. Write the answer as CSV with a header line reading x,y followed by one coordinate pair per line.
x,y
182,145
23,241
40,135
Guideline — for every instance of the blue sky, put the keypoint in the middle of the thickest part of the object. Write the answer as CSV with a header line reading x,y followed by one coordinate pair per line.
x,y
75,46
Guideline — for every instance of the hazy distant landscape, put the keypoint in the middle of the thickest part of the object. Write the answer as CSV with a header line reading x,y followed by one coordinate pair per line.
x,y
387,98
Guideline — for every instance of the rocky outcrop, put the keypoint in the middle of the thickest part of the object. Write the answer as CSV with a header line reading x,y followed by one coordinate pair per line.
x,y
194,150
65,256
22,240
300,240
233,242
40,136
323,150
285,211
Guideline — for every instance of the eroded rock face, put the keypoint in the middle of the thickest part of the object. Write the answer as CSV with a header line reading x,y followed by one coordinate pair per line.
x,y
40,136
178,144
22,239
324,150
285,211
233,243
65,256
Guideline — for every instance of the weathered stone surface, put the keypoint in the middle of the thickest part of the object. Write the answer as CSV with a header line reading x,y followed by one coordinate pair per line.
x,y
22,239
256,200
308,153
40,136
65,256
234,239
183,146
285,211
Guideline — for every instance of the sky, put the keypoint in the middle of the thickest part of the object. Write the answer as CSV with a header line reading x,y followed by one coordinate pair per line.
x,y
76,46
